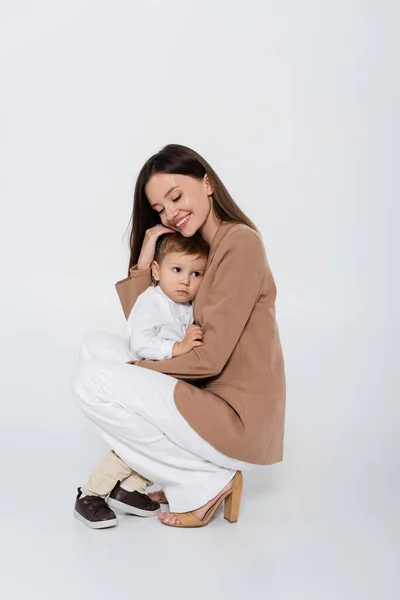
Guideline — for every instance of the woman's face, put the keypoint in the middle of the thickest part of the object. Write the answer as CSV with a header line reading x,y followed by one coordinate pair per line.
x,y
183,202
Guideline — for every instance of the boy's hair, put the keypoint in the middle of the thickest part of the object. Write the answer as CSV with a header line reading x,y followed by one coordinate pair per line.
x,y
176,242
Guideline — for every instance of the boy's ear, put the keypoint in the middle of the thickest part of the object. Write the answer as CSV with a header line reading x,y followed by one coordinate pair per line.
x,y
155,271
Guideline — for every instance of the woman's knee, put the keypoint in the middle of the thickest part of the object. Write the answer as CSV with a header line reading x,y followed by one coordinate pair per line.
x,y
90,345
105,345
84,382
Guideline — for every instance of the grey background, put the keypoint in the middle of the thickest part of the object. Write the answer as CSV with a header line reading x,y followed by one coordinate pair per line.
x,y
295,104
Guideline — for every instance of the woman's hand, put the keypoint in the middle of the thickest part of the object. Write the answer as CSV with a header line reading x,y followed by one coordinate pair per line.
x,y
147,252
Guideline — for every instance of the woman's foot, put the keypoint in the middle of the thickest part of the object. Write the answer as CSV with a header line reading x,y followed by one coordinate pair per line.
x,y
171,518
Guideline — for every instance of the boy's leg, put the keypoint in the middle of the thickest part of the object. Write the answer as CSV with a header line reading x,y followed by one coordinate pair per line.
x,y
91,506
108,472
137,482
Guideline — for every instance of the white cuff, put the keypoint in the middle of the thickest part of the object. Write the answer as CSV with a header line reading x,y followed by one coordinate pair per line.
x,y
166,348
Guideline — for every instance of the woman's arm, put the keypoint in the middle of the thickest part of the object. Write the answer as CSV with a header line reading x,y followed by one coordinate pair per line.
x,y
241,268
139,279
131,287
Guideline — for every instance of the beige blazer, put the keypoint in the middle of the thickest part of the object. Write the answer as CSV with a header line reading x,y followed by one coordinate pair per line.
x,y
231,390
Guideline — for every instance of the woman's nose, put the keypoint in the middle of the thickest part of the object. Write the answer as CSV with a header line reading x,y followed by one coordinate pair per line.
x,y
171,213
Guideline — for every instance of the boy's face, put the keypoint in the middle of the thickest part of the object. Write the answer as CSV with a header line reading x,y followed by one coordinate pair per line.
x,y
180,275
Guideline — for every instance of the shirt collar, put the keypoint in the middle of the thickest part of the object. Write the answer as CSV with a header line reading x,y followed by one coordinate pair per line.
x,y
160,291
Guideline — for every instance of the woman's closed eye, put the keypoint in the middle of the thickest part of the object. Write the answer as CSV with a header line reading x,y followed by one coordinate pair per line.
x,y
174,200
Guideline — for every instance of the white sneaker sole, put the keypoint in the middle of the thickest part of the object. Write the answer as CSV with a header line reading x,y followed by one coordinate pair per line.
x,y
131,510
98,524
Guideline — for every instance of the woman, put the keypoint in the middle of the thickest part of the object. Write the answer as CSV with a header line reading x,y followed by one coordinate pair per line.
x,y
192,423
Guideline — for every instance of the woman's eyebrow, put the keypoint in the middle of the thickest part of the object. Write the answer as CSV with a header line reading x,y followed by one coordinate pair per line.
x,y
171,190
165,195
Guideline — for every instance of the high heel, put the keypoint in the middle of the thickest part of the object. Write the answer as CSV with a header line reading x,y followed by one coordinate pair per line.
x,y
232,499
232,502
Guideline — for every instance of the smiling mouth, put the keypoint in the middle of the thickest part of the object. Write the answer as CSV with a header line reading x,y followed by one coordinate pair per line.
x,y
183,222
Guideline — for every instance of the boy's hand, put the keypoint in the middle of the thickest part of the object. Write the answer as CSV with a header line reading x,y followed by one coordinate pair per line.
x,y
193,337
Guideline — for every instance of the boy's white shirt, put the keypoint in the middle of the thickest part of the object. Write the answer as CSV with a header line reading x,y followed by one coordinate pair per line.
x,y
155,323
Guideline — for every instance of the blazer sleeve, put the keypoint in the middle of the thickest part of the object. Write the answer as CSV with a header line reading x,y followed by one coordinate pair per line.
x,y
241,268
131,287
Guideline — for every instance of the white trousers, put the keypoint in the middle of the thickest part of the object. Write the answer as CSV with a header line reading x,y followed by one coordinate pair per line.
x,y
134,410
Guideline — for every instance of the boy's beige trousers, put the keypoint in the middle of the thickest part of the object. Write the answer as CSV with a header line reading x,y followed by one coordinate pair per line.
x,y
110,470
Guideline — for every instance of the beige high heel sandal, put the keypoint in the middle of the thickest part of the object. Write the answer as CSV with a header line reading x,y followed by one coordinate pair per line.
x,y
232,499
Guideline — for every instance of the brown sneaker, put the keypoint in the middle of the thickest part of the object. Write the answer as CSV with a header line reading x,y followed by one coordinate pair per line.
x,y
94,512
133,503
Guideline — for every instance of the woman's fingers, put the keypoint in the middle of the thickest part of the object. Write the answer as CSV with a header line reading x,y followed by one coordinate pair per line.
x,y
157,230
149,244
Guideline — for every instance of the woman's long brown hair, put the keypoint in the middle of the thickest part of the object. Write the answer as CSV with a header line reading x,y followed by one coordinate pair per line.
x,y
181,160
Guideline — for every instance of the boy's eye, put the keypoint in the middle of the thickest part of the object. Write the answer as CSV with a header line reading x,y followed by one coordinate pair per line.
x,y
197,274
177,268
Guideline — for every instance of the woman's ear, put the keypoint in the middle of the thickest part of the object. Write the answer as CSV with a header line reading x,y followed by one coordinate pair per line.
x,y
209,187
155,271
